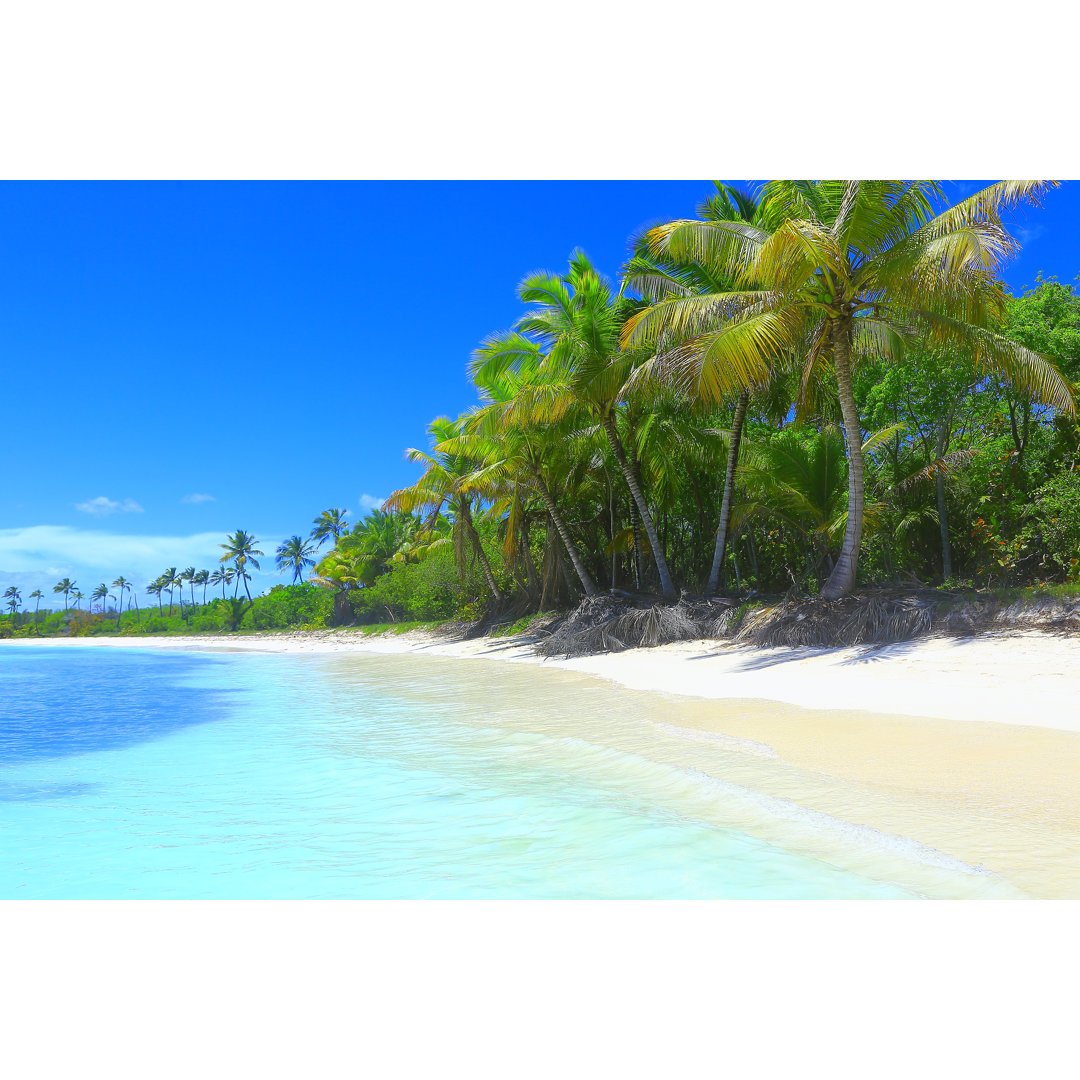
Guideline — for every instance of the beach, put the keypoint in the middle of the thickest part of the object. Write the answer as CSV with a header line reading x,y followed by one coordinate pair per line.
x,y
960,753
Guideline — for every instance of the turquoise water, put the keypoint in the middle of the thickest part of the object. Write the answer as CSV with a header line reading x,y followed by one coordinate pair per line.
x,y
153,774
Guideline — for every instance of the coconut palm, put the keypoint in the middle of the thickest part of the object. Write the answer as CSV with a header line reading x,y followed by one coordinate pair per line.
x,y
222,576
295,554
844,269
156,588
329,523
36,595
240,550
241,575
170,580
575,323
447,481
658,276
78,598
201,578
121,585
510,447
100,593
65,586
189,576
14,599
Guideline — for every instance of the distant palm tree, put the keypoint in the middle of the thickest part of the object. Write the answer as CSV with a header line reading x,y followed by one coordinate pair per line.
x,y
177,582
241,575
168,581
78,598
100,593
36,595
156,588
329,523
120,584
222,576
295,554
240,549
201,578
189,576
13,601
66,586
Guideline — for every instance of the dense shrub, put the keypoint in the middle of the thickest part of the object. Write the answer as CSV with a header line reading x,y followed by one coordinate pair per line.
x,y
430,590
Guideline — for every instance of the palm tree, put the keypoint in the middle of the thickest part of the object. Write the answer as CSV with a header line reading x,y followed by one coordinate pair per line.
x,y
121,585
447,481
189,576
295,554
170,581
176,581
660,278
576,324
222,576
201,578
509,446
329,523
838,270
78,598
800,478
14,599
240,550
65,586
241,575
156,588
36,595
100,593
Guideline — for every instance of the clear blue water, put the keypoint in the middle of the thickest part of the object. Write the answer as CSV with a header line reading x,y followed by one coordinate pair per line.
x,y
151,774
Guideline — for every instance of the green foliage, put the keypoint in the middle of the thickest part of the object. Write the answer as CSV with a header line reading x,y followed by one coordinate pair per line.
x,y
1054,525
290,605
430,590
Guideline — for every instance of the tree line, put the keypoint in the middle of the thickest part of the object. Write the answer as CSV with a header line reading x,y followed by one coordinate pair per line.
x,y
812,386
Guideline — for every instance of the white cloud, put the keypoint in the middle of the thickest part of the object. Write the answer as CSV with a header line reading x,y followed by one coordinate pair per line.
x,y
103,507
60,549
370,502
197,498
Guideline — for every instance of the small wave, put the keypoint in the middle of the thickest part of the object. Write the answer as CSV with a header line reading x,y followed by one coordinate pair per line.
x,y
728,742
848,831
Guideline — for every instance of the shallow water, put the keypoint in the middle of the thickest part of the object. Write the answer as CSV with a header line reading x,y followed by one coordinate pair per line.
x,y
155,774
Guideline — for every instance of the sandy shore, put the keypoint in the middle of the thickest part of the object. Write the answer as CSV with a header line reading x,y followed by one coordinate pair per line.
x,y
967,748
1026,679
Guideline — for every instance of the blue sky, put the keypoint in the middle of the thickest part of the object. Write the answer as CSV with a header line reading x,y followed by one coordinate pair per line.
x,y
184,359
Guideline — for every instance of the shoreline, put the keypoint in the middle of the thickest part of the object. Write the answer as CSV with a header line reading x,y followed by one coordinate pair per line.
x,y
940,751
1027,678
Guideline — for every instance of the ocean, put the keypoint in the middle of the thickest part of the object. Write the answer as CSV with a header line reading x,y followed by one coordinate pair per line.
x,y
156,774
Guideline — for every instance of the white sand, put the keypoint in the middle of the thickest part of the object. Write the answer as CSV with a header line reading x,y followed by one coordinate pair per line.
x,y
1030,678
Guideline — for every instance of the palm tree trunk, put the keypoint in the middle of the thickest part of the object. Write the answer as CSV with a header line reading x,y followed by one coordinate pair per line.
x,y
611,521
478,548
119,608
842,579
583,575
729,489
608,424
135,597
